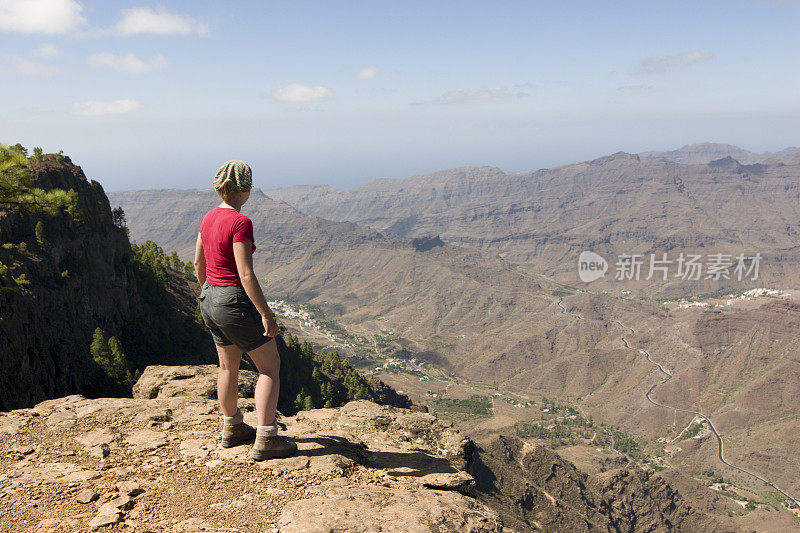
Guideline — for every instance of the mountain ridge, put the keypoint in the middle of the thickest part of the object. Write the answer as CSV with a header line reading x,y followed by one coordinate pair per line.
x,y
541,220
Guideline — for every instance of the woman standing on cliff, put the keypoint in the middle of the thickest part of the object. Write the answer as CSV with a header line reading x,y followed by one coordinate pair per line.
x,y
235,311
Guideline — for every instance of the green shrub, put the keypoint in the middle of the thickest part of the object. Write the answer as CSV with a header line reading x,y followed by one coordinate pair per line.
x,y
474,405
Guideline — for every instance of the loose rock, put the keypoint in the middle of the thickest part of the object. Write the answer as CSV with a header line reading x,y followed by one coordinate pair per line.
x,y
86,496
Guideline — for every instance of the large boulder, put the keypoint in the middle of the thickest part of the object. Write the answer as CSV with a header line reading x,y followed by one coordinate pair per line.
x,y
199,381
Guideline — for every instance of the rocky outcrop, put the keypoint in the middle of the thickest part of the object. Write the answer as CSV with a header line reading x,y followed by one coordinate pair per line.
x,y
45,332
423,244
81,276
190,380
77,464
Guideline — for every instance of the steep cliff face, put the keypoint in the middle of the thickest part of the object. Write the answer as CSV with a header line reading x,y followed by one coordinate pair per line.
x,y
81,276
533,487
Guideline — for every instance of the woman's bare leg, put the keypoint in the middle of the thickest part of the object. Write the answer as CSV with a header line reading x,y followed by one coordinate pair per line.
x,y
268,363
228,378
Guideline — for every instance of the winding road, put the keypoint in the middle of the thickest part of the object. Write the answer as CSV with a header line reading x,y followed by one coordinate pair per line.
x,y
720,442
668,376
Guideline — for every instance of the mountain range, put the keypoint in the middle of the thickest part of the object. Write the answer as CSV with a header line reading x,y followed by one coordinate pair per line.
x,y
65,454
475,271
619,204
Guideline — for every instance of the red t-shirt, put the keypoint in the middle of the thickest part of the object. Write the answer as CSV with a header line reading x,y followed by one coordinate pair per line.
x,y
219,229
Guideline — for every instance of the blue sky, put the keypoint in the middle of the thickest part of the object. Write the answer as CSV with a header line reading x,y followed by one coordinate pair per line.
x,y
146,95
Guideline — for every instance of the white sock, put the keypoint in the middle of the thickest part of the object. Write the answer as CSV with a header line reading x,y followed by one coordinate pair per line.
x,y
238,418
267,431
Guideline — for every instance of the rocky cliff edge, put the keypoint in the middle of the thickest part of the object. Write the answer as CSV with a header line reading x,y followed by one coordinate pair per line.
x,y
154,463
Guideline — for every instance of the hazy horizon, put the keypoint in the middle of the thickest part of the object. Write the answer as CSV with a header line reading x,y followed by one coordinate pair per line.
x,y
256,185
312,92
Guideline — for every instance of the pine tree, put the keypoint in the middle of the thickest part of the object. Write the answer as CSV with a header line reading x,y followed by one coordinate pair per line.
x,y
175,262
109,356
308,403
198,316
39,230
16,191
118,217
306,351
299,401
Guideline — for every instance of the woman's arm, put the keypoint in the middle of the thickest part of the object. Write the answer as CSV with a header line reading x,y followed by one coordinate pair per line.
x,y
243,253
199,261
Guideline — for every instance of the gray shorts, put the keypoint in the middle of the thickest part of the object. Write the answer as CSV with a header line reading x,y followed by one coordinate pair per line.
x,y
231,317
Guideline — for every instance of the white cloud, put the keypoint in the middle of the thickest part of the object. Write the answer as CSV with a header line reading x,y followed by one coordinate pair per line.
x,y
367,73
94,108
128,63
474,95
47,50
40,16
34,68
663,63
158,21
297,92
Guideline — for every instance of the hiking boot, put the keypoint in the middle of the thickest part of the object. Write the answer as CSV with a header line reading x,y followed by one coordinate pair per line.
x,y
233,434
235,431
272,447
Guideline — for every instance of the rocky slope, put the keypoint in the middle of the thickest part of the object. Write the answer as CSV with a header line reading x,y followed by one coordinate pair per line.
x,y
155,464
742,367
534,488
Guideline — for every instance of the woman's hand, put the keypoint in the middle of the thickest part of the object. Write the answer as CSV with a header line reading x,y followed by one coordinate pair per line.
x,y
270,325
